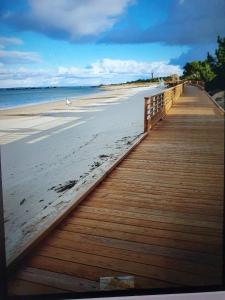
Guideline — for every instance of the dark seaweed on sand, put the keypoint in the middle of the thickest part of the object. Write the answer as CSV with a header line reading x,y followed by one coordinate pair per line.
x,y
66,186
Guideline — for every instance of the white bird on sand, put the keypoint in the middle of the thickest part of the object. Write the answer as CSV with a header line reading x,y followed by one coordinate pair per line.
x,y
68,102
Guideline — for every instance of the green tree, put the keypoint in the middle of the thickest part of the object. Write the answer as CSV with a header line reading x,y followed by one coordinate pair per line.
x,y
211,70
198,70
206,71
220,64
218,82
191,70
211,61
220,52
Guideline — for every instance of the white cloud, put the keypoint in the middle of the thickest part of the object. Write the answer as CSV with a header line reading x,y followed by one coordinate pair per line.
x,y
19,57
116,67
7,41
102,71
16,57
69,19
24,77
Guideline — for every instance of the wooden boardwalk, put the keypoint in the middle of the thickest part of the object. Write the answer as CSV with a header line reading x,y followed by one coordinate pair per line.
x,y
158,216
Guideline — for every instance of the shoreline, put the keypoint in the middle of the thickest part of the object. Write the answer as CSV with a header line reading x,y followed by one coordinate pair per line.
x,y
49,101
47,104
101,89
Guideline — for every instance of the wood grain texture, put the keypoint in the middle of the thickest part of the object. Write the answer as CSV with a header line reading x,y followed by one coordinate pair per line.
x,y
158,216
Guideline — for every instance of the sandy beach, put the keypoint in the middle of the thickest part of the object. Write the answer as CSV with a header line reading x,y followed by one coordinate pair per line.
x,y
51,151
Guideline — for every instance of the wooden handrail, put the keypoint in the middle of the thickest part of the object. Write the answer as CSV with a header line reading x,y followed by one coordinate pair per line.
x,y
157,106
198,83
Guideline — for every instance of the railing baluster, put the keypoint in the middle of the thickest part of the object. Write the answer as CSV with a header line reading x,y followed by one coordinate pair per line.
x,y
158,105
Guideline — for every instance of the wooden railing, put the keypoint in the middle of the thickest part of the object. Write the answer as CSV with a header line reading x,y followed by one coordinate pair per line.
x,y
157,106
170,83
198,83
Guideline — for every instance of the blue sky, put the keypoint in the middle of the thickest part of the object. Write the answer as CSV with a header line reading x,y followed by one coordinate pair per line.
x,y
88,42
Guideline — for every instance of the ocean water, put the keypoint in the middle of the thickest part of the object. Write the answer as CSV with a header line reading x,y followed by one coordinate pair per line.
x,y
15,97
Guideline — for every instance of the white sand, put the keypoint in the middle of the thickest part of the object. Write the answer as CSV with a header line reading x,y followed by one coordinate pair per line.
x,y
46,146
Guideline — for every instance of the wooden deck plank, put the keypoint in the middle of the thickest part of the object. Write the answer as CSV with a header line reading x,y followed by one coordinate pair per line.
x,y
126,178
175,174
201,232
116,226
145,239
23,287
216,203
153,223
180,254
134,213
81,243
89,272
120,265
157,216
182,189
171,166
57,280
157,190
200,210
129,206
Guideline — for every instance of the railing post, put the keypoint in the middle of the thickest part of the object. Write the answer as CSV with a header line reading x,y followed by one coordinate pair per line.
x,y
145,115
163,105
